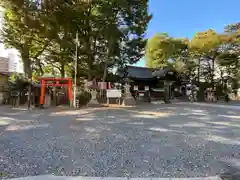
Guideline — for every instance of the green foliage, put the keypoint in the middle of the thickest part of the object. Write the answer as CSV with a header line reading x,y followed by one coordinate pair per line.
x,y
207,52
84,98
24,30
158,50
111,33
114,33
205,42
17,83
205,46
229,58
232,27
162,51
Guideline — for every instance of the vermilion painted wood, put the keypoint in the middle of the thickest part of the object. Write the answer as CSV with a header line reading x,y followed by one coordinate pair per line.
x,y
44,83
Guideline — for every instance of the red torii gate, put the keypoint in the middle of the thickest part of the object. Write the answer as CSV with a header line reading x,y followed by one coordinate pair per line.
x,y
55,82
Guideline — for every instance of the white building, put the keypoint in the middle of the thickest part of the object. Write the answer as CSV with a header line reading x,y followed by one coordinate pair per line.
x,y
10,61
4,65
15,64
10,55
12,64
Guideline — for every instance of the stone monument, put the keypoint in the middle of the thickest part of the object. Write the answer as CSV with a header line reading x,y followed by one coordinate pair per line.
x,y
128,99
92,88
93,100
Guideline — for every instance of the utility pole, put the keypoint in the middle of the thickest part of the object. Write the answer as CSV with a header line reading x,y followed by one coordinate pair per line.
x,y
75,73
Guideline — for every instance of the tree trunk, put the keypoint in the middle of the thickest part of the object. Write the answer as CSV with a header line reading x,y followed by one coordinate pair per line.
x,y
28,71
89,73
29,95
62,71
213,70
166,92
105,71
110,45
29,75
90,68
199,63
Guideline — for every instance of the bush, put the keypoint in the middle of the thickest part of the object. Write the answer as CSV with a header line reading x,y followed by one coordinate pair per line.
x,y
84,98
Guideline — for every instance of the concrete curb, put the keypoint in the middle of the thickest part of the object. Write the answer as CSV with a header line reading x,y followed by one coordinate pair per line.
x,y
210,105
51,177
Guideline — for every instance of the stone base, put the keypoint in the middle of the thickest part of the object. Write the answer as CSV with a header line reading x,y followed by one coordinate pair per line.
x,y
93,103
129,101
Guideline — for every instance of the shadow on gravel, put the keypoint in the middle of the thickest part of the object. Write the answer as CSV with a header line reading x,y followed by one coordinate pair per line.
x,y
231,174
152,141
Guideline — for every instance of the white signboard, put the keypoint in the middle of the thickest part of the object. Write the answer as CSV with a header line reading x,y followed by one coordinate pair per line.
x,y
114,93
158,89
146,88
135,88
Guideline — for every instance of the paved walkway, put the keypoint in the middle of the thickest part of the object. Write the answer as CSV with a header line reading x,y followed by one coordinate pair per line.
x,y
153,141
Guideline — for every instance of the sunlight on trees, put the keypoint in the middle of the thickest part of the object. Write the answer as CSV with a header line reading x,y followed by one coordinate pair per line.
x,y
205,54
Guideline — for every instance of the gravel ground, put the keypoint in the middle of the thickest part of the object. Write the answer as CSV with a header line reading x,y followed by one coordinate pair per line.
x,y
148,141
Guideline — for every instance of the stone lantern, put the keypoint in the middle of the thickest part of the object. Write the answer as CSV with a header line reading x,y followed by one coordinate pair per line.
x,y
93,87
128,99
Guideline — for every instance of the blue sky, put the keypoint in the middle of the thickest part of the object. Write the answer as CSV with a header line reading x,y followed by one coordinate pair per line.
x,y
183,18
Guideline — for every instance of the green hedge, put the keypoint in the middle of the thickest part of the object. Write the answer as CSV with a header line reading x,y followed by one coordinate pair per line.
x,y
84,98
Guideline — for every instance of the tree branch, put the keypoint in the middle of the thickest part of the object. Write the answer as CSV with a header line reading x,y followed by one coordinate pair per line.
x,y
40,52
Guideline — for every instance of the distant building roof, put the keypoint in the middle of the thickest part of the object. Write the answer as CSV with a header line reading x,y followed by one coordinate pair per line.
x,y
162,72
139,72
146,73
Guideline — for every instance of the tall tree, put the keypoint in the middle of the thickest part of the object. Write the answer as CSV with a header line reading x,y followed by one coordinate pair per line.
x,y
164,51
111,30
204,46
24,31
229,58
158,51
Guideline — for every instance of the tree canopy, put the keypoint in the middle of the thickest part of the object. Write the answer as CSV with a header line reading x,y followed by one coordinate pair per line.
x,y
205,55
161,49
110,33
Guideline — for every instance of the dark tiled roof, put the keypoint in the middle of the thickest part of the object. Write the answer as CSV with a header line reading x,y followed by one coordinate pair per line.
x,y
139,72
146,73
161,72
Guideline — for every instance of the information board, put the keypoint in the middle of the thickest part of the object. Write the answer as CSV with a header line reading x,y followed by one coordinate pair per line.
x,y
114,93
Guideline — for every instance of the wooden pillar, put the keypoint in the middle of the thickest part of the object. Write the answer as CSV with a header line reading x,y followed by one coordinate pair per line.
x,y
42,93
166,92
66,88
70,90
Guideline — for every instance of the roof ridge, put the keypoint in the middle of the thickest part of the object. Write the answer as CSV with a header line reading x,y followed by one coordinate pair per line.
x,y
139,67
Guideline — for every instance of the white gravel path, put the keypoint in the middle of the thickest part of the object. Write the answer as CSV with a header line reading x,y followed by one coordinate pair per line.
x,y
146,142
51,177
